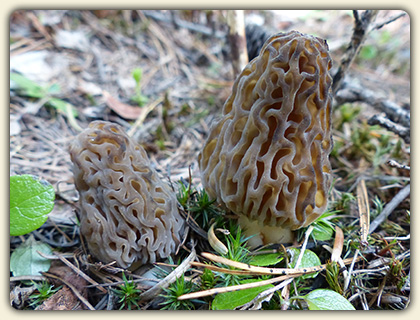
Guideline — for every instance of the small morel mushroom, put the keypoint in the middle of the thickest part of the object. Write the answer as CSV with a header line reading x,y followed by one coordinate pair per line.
x,y
127,213
266,158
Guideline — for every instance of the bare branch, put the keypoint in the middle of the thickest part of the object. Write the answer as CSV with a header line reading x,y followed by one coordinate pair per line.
x,y
361,26
390,207
381,24
403,132
351,92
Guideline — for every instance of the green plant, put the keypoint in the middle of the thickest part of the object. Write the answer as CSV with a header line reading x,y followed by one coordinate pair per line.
x,y
175,290
47,94
127,293
234,299
31,199
346,113
203,209
25,260
45,290
323,227
208,280
342,204
378,207
184,194
332,276
324,299
139,98
237,251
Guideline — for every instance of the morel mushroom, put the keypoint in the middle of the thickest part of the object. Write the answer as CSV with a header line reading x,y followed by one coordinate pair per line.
x,y
266,159
127,213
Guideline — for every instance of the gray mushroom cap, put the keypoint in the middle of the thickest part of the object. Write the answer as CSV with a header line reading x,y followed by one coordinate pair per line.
x,y
127,213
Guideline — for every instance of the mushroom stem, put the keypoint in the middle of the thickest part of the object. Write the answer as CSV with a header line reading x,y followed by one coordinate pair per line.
x,y
263,234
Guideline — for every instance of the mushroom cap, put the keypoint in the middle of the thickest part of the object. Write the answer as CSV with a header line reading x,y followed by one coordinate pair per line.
x,y
127,213
266,158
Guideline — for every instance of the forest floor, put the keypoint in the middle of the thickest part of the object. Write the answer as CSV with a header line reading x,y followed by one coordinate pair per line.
x,y
83,66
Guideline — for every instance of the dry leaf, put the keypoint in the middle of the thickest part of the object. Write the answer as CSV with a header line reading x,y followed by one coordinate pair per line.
x,y
338,244
364,211
65,298
124,110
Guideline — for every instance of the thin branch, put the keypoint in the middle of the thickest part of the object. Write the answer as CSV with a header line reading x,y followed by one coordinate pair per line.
x,y
381,24
389,208
75,291
209,292
170,278
352,92
396,128
361,26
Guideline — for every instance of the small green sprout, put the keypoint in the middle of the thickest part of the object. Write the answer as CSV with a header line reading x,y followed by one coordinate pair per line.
x,y
139,98
45,290
128,294
332,276
175,290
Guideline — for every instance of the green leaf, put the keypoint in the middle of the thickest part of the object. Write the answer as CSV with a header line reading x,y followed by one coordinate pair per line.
x,y
268,259
231,300
26,261
137,74
27,87
309,259
322,232
62,106
324,299
31,200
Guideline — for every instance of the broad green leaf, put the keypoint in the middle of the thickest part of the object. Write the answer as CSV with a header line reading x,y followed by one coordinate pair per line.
x,y
26,261
322,232
309,259
31,200
323,227
268,259
324,299
27,87
231,300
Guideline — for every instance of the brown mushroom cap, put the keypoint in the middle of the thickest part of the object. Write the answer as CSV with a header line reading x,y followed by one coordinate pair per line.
x,y
266,159
127,213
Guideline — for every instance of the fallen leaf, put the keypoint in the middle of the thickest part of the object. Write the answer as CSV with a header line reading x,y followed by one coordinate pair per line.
x,y
65,299
124,110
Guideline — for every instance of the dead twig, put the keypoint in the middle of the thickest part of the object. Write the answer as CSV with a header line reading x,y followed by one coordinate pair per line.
x,y
170,278
395,164
398,129
352,92
294,274
364,210
389,208
75,291
263,296
361,26
79,272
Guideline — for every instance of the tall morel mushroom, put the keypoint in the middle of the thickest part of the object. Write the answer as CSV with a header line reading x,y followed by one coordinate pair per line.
x,y
127,213
267,158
